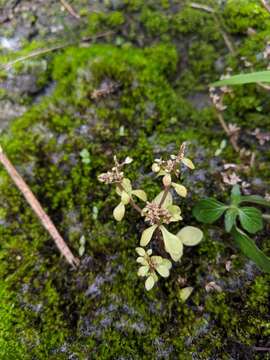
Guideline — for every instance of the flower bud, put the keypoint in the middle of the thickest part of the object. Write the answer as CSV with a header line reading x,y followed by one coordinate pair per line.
x,y
155,168
167,180
128,160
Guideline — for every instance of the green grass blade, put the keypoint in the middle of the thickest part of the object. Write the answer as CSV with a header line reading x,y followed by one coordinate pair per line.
x,y
250,250
254,77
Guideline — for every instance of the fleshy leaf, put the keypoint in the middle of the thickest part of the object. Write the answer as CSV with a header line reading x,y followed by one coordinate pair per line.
x,y
185,293
149,283
126,183
175,212
119,212
140,194
190,235
147,235
156,260
140,251
125,198
251,219
167,263
173,244
249,249
188,163
163,270
168,201
230,218
141,260
180,189
209,210
143,270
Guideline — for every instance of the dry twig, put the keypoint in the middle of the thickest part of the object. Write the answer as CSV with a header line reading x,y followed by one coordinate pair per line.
x,y
70,9
202,7
266,5
52,49
213,12
37,208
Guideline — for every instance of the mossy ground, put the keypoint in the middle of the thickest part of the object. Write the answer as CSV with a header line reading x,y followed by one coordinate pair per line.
x,y
160,57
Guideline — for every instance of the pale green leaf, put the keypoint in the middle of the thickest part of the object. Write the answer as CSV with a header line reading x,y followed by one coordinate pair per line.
x,y
140,194
167,263
163,270
119,212
180,189
140,251
156,260
161,173
185,293
125,198
168,201
126,183
141,260
188,163
175,212
147,235
190,235
173,244
155,168
143,270
81,250
149,283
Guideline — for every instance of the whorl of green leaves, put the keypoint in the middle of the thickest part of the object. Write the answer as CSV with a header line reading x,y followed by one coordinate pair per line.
x,y
249,218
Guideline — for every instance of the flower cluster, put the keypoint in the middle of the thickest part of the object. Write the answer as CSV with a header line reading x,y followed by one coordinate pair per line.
x,y
216,99
156,213
171,166
151,265
116,174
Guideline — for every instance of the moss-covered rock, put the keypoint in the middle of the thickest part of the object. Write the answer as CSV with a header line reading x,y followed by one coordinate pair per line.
x,y
134,94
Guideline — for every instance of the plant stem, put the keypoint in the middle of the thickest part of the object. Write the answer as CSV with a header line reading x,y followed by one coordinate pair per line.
x,y
266,5
70,9
52,49
266,217
166,191
131,201
37,208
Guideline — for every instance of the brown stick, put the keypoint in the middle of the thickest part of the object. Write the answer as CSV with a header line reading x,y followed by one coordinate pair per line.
x,y
227,131
35,205
261,348
202,7
52,49
70,9
266,5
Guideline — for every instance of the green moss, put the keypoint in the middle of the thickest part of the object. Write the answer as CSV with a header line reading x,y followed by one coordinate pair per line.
x,y
245,14
51,311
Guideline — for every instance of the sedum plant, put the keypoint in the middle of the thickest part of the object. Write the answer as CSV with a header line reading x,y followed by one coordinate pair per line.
x,y
239,221
157,214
